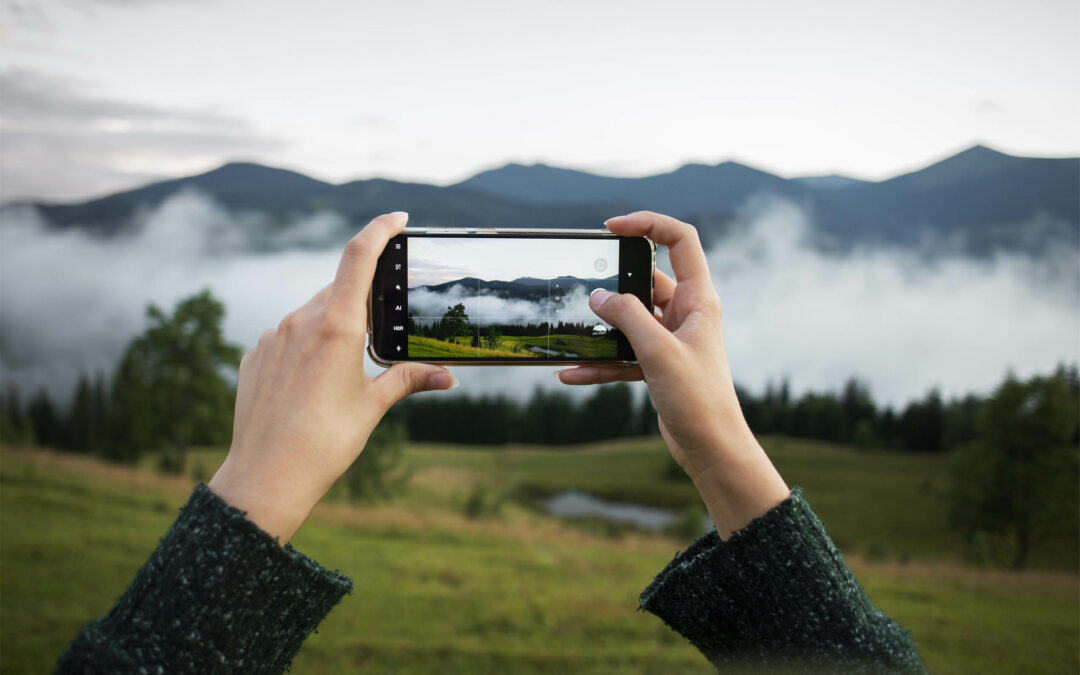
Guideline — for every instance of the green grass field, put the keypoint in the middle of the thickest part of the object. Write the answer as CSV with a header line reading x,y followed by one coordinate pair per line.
x,y
518,591
582,346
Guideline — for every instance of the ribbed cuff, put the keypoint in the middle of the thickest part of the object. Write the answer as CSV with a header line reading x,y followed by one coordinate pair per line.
x,y
777,593
217,595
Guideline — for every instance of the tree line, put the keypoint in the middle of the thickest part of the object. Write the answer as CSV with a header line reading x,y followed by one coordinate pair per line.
x,y
846,417
546,418
851,417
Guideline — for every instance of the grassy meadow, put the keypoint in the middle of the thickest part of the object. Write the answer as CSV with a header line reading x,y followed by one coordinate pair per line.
x,y
513,590
516,346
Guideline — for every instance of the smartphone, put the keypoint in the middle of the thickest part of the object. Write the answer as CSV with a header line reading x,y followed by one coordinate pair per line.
x,y
503,297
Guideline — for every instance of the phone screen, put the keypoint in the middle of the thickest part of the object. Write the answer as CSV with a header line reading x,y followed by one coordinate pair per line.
x,y
505,298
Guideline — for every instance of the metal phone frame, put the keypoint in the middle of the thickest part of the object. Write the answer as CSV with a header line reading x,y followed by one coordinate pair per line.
x,y
557,233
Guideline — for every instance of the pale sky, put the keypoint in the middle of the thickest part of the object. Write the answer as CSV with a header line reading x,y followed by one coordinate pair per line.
x,y
438,260
99,95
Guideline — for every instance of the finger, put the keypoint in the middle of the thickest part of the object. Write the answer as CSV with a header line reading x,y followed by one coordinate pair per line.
x,y
403,379
600,374
357,266
627,313
320,298
687,256
663,289
265,340
247,363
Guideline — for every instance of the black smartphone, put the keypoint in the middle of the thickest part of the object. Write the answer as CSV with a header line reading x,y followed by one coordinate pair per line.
x,y
503,297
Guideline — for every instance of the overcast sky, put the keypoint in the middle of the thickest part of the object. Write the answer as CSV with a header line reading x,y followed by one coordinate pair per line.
x,y
434,261
98,95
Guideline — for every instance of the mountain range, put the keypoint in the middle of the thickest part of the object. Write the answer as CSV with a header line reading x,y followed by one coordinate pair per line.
x,y
979,200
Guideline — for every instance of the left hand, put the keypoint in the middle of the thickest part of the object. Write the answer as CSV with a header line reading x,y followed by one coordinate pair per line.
x,y
304,405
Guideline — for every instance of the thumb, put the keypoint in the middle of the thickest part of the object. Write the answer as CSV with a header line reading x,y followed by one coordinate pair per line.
x,y
630,315
403,379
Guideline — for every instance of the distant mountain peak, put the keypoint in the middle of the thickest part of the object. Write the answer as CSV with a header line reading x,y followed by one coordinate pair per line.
x,y
980,150
245,169
977,159
529,169
240,165
720,169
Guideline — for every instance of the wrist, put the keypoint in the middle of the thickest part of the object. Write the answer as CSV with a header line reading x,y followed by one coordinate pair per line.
x,y
738,484
276,510
724,445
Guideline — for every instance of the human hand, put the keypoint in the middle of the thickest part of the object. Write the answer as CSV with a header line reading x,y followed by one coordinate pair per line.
x,y
304,405
681,357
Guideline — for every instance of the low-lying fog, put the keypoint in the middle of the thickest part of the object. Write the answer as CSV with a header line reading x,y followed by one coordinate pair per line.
x,y
570,307
900,320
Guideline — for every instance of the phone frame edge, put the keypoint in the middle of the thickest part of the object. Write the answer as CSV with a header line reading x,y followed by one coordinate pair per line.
x,y
568,233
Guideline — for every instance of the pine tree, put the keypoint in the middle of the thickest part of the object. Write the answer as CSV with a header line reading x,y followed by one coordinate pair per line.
x,y
82,422
648,421
15,427
48,428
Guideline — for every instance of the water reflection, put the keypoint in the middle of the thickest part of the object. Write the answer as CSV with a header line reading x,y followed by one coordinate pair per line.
x,y
577,504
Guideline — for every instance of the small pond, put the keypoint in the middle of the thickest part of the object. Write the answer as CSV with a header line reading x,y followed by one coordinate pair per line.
x,y
551,352
577,504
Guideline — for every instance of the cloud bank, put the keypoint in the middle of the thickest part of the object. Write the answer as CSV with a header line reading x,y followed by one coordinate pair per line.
x,y
572,307
70,302
899,320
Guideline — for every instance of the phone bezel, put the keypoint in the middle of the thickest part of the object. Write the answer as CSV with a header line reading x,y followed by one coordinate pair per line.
x,y
464,232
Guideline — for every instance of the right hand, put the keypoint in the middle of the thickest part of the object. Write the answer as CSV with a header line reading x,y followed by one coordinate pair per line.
x,y
682,359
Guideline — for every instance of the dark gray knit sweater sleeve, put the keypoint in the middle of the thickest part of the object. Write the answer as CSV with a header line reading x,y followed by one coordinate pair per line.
x,y
217,595
778,594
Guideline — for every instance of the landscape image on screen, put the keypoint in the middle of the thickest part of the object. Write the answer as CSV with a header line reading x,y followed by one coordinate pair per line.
x,y
507,298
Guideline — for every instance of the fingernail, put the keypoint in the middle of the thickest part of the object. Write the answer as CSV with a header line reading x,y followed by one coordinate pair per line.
x,y
598,297
443,380
560,370
401,214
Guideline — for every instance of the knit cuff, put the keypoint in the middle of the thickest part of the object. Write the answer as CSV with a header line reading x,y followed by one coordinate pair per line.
x,y
777,592
217,595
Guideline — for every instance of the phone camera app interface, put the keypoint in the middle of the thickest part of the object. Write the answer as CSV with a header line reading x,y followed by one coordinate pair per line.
x,y
506,298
